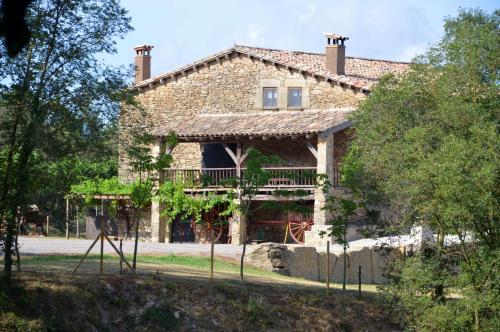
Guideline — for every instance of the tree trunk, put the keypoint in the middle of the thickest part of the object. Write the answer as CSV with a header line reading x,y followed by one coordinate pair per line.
x,y
136,242
9,237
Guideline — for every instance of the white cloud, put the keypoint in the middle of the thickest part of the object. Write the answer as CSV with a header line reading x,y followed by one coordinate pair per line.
x,y
410,51
308,14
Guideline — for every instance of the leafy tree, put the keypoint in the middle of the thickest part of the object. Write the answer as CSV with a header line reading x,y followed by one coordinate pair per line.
x,y
427,146
146,169
58,73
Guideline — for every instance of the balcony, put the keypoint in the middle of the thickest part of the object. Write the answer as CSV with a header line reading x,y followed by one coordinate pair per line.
x,y
281,178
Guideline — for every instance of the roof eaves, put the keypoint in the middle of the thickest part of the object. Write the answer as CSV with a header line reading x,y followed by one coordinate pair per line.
x,y
339,80
182,70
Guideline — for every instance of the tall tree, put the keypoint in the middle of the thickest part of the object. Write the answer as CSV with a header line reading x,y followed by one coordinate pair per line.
x,y
428,143
58,74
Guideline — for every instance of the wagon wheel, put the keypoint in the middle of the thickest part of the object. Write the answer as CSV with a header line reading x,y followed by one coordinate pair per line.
x,y
298,229
210,222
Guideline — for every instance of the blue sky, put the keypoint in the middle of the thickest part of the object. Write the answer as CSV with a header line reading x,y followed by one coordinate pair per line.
x,y
183,31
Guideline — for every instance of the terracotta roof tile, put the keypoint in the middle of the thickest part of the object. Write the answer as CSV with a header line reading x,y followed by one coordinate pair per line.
x,y
360,72
270,123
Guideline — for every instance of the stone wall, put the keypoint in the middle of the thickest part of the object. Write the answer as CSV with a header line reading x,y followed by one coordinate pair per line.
x,y
232,86
294,153
310,262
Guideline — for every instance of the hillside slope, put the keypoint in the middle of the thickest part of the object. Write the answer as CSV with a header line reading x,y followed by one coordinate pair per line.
x,y
54,302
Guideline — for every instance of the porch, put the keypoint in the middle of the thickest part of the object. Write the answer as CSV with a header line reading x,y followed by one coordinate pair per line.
x,y
219,179
213,150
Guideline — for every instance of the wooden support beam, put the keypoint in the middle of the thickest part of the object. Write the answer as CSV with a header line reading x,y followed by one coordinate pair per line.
x,y
245,154
312,149
230,153
238,159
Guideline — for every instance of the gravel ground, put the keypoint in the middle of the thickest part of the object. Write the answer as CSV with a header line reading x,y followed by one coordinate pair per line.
x,y
42,245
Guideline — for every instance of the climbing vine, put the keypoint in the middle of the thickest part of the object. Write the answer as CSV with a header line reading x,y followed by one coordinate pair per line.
x,y
178,204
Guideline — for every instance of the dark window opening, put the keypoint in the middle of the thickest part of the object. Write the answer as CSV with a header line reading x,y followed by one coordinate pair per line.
x,y
215,156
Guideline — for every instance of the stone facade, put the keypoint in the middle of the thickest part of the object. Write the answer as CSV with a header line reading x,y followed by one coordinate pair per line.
x,y
231,86
234,85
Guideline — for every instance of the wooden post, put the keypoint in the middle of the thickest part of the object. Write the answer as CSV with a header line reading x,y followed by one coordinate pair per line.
x,y
121,256
118,252
359,281
101,266
327,267
77,223
345,269
86,254
286,232
211,257
47,227
67,218
238,160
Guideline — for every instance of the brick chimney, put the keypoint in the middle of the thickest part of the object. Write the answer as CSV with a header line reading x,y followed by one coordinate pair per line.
x,y
335,53
142,62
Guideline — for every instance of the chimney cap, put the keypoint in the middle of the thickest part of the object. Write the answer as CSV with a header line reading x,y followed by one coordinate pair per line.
x,y
335,39
143,49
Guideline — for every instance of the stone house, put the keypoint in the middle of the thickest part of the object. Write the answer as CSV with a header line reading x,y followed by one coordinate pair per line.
x,y
291,104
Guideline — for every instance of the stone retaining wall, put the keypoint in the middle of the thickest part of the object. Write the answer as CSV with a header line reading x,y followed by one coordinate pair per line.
x,y
310,263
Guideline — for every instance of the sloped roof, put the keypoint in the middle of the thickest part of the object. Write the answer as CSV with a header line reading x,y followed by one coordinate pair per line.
x,y
258,124
360,73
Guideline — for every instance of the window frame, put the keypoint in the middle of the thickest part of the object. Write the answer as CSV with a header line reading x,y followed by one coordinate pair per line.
x,y
276,89
301,105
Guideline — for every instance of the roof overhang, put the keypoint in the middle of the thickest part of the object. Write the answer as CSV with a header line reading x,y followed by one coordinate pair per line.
x,y
256,125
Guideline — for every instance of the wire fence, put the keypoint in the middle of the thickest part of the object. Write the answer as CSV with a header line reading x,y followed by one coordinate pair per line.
x,y
287,265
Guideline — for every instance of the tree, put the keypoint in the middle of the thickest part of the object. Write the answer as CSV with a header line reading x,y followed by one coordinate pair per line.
x,y
58,72
146,168
427,145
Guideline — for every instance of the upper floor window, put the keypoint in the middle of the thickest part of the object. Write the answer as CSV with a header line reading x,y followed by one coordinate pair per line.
x,y
294,97
270,97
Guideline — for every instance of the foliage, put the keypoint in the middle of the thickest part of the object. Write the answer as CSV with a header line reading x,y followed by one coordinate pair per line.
x,y
178,204
56,80
111,186
427,146
341,211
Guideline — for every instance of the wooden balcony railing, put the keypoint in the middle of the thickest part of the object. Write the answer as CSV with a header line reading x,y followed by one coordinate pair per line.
x,y
280,177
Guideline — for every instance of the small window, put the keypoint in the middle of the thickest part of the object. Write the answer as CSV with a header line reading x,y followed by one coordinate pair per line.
x,y
294,97
270,97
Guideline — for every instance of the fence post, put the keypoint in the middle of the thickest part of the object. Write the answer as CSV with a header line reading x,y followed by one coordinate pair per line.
x,y
47,217
67,218
101,265
327,267
211,257
77,223
121,255
345,269
359,281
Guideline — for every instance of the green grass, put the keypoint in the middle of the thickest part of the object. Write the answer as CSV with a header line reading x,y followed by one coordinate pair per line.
x,y
195,262
200,263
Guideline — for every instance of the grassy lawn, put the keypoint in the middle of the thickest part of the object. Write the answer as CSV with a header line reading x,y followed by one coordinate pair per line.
x,y
182,264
